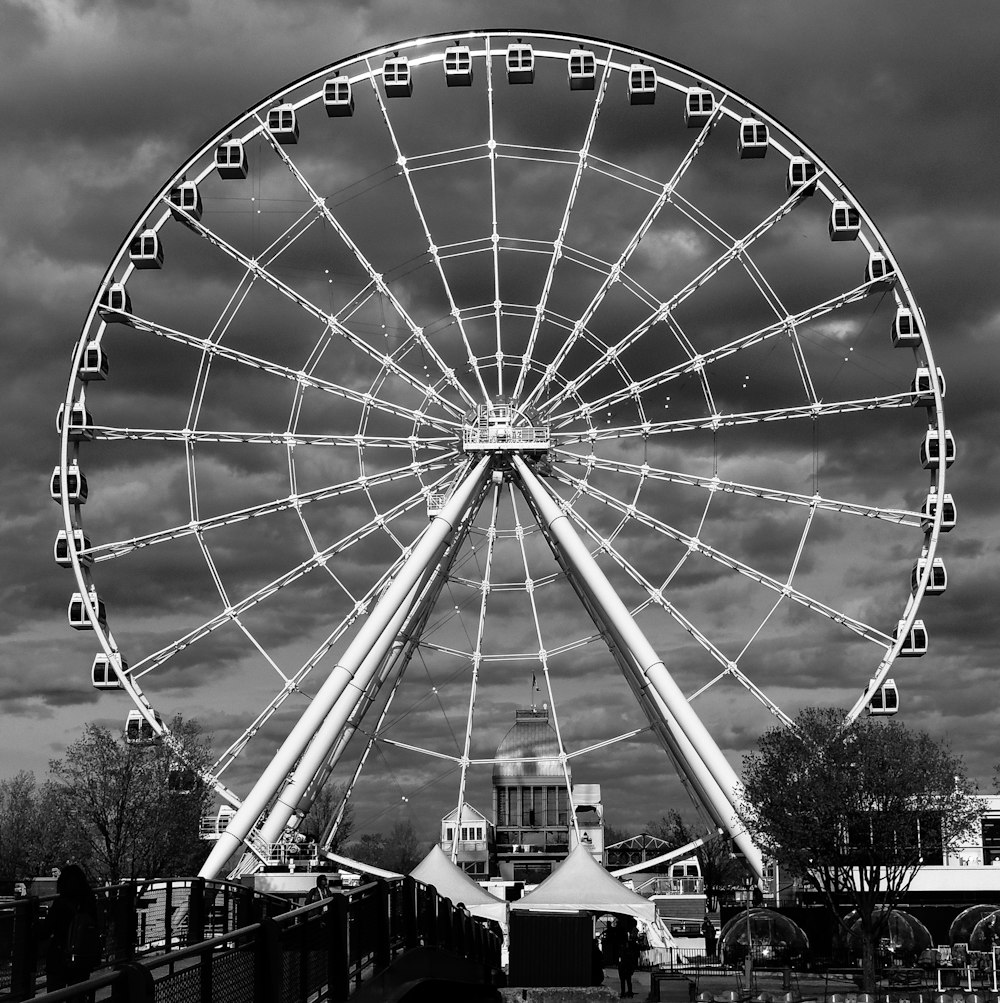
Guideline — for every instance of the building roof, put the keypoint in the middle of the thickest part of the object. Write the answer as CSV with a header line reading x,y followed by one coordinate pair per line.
x,y
532,738
469,814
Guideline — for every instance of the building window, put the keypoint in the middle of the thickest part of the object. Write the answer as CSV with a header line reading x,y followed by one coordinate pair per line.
x,y
449,832
991,841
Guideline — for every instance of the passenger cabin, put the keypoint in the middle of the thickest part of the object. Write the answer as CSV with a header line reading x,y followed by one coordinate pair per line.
x,y
115,304
458,66
102,673
801,177
698,107
915,642
582,69
879,271
641,84
81,424
937,580
922,386
338,97
61,551
139,731
185,202
520,62
752,143
231,160
76,484
845,221
79,618
146,251
929,511
885,701
930,449
397,78
905,329
94,364
283,124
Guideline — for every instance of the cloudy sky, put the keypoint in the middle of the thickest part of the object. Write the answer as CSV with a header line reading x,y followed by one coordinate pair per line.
x,y
104,103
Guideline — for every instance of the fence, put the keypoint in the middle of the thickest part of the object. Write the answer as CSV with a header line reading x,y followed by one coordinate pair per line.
x,y
322,951
137,919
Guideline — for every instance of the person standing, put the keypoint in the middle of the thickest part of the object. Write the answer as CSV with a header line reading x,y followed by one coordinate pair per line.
x,y
73,946
320,891
708,932
628,957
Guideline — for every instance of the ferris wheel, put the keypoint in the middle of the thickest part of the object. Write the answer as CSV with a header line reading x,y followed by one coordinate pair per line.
x,y
493,362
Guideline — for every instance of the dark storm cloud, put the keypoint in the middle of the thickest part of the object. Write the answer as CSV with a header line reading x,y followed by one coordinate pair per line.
x,y
894,97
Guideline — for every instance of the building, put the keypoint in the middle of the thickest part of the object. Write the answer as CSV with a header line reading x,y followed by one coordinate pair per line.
x,y
474,834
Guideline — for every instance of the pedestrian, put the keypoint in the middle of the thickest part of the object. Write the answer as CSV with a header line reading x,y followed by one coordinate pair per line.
x,y
320,891
628,957
71,928
708,932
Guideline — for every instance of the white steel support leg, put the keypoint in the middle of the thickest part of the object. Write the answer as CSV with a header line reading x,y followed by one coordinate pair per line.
x,y
334,733
372,632
716,778
337,723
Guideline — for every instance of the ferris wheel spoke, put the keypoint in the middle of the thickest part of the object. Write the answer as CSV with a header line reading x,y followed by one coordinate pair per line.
x,y
699,362
616,272
902,517
432,250
376,524
697,546
213,349
581,165
115,433
329,320
119,548
732,253
715,422
323,209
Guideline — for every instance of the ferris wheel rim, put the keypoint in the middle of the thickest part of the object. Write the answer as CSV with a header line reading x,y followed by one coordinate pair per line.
x,y
67,450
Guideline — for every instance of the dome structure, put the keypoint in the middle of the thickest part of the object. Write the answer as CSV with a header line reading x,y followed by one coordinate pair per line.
x,y
908,937
986,933
963,925
529,750
773,938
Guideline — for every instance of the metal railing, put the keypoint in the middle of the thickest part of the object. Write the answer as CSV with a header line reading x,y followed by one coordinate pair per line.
x,y
323,951
136,919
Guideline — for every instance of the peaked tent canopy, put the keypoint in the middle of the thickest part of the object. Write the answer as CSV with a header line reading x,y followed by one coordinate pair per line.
x,y
580,883
452,882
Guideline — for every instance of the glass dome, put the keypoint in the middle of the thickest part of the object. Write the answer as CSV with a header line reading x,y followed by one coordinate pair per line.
x,y
986,933
774,938
960,931
907,936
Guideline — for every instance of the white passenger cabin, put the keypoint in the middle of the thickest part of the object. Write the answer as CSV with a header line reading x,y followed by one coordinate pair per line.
x,y
76,484
641,84
397,78
231,160
283,124
520,61
885,701
752,143
102,673
458,66
146,250
338,97
582,70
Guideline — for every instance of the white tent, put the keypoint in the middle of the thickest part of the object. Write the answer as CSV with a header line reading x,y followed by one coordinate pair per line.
x,y
452,882
580,884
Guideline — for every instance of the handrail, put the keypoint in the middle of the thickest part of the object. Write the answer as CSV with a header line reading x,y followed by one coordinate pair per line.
x,y
321,951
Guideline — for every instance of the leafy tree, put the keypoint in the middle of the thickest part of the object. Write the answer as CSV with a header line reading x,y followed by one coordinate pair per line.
x,y
721,870
399,850
321,815
135,808
853,811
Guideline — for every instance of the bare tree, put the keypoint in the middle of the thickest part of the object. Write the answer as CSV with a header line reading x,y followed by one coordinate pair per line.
x,y
854,811
324,809
135,807
19,826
